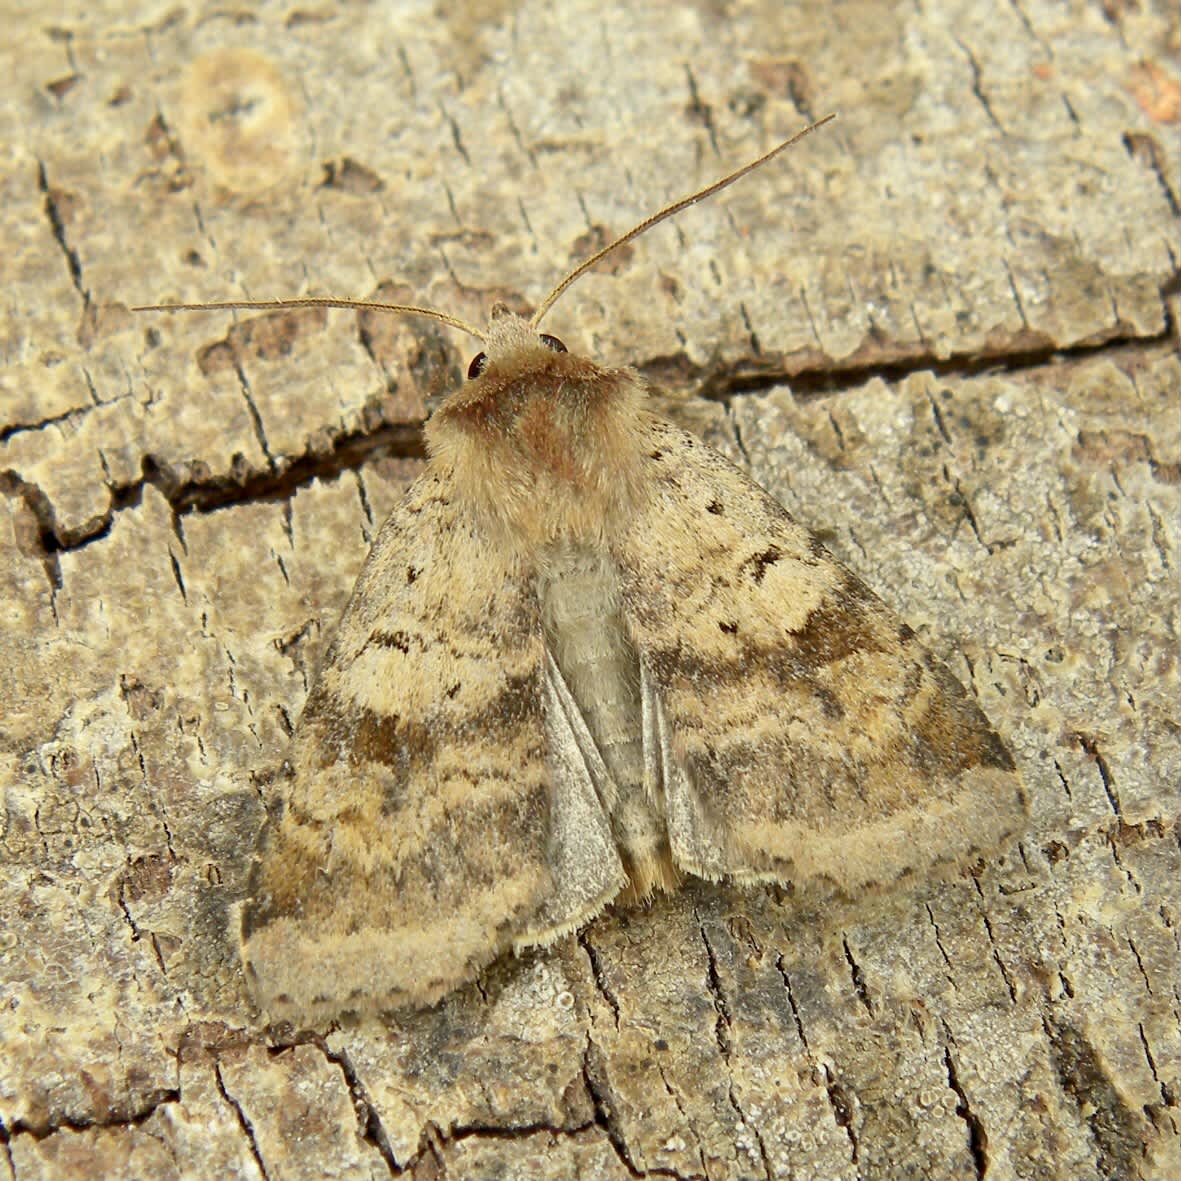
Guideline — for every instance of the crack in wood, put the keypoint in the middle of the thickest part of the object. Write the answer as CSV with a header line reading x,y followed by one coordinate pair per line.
x,y
260,433
197,495
351,449
977,1136
1091,746
244,1124
597,974
370,1126
842,1111
57,225
791,1001
594,1077
686,1122
156,1099
857,976
1010,986
722,1021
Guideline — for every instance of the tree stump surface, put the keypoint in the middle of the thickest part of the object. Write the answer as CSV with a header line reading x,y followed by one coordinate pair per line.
x,y
942,331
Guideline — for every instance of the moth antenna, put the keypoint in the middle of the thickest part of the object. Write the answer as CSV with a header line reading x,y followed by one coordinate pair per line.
x,y
668,211
313,301
260,305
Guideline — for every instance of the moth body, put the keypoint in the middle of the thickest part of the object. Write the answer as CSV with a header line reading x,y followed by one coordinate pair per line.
x,y
586,657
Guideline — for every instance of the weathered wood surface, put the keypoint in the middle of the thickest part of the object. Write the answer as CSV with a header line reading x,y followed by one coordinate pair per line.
x,y
943,331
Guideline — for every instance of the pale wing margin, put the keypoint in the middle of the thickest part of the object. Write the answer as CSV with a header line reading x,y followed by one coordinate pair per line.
x,y
804,734
424,828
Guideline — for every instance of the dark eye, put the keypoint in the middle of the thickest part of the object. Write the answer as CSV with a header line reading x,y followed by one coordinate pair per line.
x,y
552,343
478,365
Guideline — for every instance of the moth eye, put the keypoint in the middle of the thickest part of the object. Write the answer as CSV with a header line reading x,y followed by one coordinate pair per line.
x,y
552,343
478,365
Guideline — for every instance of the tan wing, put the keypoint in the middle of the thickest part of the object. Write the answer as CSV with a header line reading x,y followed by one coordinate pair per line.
x,y
802,731
424,831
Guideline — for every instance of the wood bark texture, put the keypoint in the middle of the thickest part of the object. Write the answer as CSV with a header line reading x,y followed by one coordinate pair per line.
x,y
943,331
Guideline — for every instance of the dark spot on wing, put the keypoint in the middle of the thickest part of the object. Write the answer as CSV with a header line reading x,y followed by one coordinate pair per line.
x,y
953,734
843,624
398,640
758,563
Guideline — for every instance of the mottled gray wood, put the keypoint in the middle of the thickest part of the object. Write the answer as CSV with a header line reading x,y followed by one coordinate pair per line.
x,y
942,331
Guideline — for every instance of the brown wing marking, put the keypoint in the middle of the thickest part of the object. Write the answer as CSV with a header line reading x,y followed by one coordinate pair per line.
x,y
414,844
805,733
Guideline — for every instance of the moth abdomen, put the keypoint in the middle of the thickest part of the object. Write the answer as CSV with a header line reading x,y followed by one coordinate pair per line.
x,y
578,588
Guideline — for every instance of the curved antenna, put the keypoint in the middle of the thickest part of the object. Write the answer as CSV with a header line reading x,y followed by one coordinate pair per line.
x,y
668,211
313,301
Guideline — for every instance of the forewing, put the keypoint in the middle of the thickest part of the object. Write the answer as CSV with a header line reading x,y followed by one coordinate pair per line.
x,y
804,734
414,843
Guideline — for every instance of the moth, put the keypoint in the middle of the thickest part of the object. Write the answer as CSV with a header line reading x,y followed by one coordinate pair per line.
x,y
588,656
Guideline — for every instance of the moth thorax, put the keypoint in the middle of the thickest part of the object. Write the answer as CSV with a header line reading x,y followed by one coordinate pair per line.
x,y
556,454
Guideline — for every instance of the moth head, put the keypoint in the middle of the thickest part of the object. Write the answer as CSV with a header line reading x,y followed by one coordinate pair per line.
x,y
525,387
509,335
